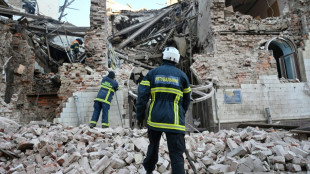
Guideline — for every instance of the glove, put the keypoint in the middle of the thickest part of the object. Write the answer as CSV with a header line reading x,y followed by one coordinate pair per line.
x,y
140,124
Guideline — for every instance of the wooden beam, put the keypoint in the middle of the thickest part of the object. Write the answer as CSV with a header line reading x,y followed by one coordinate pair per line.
x,y
145,27
17,13
62,30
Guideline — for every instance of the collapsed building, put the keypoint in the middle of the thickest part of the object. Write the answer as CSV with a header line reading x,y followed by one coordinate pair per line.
x,y
253,56
248,62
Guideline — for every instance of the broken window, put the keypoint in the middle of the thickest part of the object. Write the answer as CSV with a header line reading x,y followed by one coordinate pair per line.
x,y
259,9
286,56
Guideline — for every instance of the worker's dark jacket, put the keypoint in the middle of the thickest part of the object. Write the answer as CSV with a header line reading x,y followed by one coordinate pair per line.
x,y
75,46
170,92
107,90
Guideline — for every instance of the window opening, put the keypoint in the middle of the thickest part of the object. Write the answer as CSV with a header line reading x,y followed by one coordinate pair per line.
x,y
286,58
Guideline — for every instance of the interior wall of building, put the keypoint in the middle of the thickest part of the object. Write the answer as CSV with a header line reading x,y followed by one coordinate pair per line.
x,y
240,64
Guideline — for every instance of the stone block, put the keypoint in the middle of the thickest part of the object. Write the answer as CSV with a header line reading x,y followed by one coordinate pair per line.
x,y
162,168
95,155
279,150
243,134
279,167
250,164
84,163
299,151
240,151
218,168
49,168
138,158
101,165
62,159
289,155
123,171
293,167
231,144
279,159
220,146
262,155
117,163
129,159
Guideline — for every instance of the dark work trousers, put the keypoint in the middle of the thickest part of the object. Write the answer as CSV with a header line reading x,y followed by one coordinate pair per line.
x,y
98,106
74,56
176,147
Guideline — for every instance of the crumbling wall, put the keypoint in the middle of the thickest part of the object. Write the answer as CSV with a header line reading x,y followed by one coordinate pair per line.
x,y
24,95
205,36
243,68
96,37
17,81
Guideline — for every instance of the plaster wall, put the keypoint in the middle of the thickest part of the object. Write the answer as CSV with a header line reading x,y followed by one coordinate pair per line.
x,y
285,100
239,61
69,115
305,54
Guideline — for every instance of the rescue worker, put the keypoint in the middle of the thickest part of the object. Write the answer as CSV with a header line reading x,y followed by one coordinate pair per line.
x,y
170,90
75,48
103,100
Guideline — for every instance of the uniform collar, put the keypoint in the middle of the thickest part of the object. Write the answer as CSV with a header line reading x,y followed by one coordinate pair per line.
x,y
168,63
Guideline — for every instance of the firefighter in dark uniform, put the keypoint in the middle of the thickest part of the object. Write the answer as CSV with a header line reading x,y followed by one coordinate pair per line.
x,y
75,48
103,100
170,91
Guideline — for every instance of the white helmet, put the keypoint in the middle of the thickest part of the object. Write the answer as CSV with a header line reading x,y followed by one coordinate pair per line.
x,y
172,54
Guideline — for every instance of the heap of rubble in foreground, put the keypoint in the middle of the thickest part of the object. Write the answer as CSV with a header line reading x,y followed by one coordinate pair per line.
x,y
40,147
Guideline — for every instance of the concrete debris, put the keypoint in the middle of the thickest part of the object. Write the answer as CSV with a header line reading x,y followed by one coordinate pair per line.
x,y
56,148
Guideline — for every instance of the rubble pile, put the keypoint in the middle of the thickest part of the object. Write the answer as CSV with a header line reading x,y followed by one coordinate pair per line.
x,y
43,148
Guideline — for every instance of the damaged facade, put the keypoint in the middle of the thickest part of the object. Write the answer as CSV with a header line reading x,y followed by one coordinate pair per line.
x,y
256,53
248,62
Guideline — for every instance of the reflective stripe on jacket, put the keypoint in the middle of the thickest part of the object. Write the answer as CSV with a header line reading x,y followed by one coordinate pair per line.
x,y
170,90
75,46
107,89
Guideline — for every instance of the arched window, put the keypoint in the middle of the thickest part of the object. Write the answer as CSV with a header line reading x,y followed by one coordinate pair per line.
x,y
284,51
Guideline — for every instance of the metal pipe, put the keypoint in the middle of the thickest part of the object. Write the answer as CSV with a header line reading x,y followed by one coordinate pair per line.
x,y
47,45
137,33
77,104
4,66
216,112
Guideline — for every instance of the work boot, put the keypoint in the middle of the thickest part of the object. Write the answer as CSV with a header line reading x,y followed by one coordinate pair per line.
x,y
103,126
92,125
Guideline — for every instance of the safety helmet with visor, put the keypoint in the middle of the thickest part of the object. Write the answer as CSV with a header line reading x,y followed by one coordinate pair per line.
x,y
171,54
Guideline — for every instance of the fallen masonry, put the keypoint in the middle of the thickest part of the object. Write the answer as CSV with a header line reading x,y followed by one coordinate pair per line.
x,y
40,147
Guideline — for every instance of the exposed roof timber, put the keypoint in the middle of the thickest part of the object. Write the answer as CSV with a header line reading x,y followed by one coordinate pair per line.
x,y
133,61
133,27
63,30
145,27
18,13
165,30
3,3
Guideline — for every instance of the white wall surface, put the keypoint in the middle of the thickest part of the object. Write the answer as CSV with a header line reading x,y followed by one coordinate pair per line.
x,y
285,100
86,98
